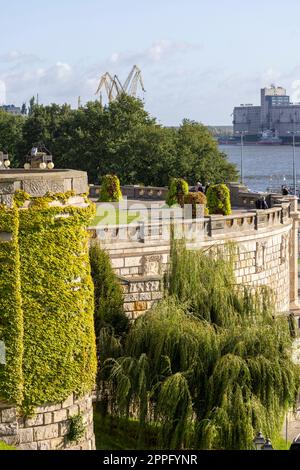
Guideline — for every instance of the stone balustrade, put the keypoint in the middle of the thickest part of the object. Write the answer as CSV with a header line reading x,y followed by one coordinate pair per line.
x,y
201,228
148,193
267,252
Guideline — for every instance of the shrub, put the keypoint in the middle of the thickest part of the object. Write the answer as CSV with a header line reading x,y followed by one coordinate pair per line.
x,y
110,189
195,199
109,310
178,188
77,428
218,199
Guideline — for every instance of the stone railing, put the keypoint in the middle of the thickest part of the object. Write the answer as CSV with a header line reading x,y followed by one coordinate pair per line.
x,y
39,182
194,229
151,193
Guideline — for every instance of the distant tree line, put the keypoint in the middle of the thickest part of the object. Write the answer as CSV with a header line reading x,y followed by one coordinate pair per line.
x,y
121,138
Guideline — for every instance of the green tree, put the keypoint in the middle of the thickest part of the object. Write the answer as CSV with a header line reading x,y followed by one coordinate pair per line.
x,y
122,138
109,311
24,109
198,157
11,135
211,364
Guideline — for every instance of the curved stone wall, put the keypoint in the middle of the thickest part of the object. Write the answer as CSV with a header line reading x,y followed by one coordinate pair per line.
x,y
263,259
265,240
48,427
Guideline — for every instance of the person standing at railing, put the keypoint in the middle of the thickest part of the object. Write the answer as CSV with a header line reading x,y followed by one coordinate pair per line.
x,y
284,191
261,203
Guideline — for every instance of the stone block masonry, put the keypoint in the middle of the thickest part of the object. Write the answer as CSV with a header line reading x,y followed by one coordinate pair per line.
x,y
48,427
267,254
141,295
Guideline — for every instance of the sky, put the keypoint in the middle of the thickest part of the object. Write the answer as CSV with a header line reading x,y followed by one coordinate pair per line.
x,y
199,58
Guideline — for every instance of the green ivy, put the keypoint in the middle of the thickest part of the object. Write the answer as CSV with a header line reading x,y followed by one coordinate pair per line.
x,y
11,317
20,197
218,199
56,354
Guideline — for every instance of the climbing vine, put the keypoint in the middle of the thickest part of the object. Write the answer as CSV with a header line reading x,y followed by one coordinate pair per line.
x,y
52,335
11,318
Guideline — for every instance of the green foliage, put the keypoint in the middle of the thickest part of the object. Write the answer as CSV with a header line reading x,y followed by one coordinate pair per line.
x,y
11,129
11,317
117,433
20,197
120,138
209,376
46,304
218,199
109,311
196,199
77,428
4,446
178,188
198,157
110,189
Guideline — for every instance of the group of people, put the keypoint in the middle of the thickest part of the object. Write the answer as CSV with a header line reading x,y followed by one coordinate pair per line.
x,y
261,203
199,188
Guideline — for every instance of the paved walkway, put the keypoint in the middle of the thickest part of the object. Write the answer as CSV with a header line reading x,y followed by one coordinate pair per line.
x,y
291,426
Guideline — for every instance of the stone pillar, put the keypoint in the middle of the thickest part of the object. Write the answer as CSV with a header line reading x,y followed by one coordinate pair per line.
x,y
295,215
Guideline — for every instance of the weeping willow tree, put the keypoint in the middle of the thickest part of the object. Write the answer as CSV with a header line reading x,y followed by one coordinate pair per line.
x,y
210,365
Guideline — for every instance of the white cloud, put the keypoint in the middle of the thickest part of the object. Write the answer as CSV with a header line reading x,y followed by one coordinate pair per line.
x,y
15,56
160,50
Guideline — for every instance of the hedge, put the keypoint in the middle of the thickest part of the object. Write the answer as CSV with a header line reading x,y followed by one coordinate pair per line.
x,y
195,199
178,188
110,189
218,199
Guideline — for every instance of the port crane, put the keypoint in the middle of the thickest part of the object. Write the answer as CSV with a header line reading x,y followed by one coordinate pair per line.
x,y
114,88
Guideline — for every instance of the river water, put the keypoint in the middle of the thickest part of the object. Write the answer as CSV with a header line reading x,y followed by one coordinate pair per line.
x,y
265,166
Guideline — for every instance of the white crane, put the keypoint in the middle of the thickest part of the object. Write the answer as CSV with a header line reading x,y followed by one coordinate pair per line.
x,y
114,87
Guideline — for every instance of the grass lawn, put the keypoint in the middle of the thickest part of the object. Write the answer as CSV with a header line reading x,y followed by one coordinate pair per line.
x,y
110,217
279,443
114,433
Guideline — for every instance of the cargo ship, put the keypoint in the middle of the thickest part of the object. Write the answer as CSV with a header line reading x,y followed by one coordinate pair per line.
x,y
269,138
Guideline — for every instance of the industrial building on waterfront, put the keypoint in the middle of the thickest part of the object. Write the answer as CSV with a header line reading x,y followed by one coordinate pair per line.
x,y
276,115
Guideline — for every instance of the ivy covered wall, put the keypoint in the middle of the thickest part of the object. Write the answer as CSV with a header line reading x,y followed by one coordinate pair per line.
x,y
11,317
56,353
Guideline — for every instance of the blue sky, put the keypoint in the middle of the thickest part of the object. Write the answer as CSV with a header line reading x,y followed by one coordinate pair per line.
x,y
199,58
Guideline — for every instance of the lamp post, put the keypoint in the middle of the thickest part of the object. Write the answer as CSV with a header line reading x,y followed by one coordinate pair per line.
x,y
242,134
293,133
261,443
267,445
